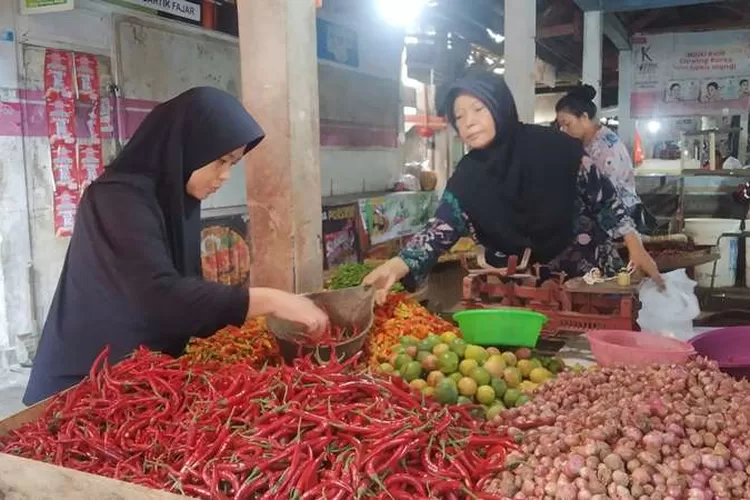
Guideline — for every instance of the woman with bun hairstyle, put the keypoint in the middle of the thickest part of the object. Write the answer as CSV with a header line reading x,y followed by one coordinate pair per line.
x,y
520,187
576,116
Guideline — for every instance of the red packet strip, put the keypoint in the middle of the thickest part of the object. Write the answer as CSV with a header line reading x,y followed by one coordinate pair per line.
x,y
61,119
87,77
90,164
58,74
66,205
64,167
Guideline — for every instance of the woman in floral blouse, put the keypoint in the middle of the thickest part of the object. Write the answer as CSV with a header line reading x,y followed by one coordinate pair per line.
x,y
521,186
576,116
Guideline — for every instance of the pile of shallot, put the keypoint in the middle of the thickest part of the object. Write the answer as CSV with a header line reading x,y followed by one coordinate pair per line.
x,y
664,433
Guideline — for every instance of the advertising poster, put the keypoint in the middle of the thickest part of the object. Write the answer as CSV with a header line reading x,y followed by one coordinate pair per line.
x,y
43,6
683,74
396,215
225,252
340,238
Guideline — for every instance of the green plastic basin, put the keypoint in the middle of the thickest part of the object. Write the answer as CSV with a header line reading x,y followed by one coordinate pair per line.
x,y
505,327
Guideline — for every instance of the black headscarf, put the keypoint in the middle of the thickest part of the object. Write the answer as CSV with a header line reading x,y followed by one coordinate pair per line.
x,y
519,192
177,138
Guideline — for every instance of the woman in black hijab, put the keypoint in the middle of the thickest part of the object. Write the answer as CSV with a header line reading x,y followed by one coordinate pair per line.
x,y
521,186
132,275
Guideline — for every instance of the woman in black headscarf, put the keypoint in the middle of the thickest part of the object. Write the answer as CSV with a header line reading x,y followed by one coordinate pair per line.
x,y
132,275
521,186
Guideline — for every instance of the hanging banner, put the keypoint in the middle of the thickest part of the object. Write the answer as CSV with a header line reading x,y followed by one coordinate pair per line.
x,y
64,167
66,204
340,241
60,106
90,164
87,77
687,74
43,6
58,74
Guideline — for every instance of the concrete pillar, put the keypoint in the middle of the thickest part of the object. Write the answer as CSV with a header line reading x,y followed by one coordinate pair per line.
x,y
593,32
279,68
627,125
520,54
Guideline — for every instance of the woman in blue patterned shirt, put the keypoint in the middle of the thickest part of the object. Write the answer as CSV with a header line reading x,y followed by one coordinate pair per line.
x,y
521,186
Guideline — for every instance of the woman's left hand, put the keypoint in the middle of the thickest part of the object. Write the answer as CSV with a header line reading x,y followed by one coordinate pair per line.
x,y
642,261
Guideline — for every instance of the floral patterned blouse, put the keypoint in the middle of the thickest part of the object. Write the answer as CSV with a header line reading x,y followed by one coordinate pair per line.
x,y
612,157
600,217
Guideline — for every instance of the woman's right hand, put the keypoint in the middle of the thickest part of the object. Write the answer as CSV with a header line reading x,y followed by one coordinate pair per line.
x,y
288,306
385,276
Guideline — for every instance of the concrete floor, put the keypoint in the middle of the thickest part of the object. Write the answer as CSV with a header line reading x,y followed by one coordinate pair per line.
x,y
12,386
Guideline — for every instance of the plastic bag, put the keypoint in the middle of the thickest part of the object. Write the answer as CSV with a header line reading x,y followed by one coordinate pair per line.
x,y
671,311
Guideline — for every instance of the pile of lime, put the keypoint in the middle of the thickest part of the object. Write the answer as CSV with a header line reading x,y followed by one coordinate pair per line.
x,y
453,372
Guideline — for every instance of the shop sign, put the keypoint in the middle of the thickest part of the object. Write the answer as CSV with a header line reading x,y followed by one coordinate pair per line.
x,y
686,74
42,6
179,8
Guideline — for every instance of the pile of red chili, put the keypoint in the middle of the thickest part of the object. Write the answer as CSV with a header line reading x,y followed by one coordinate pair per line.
x,y
302,432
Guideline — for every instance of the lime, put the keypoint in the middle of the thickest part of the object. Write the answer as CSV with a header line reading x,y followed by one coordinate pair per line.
x,y
440,349
448,362
459,347
411,371
510,359
455,377
463,400
528,386
556,366
537,363
401,360
512,377
397,349
499,386
448,337
467,366
510,397
422,354
446,392
467,386
428,391
387,368
411,350
495,364
525,367
480,376
522,400
494,410
523,353
429,362
476,352
434,378
418,384
540,375
408,340
485,394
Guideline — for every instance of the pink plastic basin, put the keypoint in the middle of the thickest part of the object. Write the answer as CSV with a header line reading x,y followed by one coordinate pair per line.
x,y
729,347
620,347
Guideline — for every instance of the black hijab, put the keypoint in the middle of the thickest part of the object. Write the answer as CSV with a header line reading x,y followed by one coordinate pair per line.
x,y
519,192
177,138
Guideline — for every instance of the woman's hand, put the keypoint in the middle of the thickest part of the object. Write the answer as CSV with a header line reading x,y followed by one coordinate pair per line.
x,y
640,258
288,306
385,276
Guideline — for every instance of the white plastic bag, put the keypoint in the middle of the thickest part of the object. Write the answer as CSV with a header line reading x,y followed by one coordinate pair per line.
x,y
671,311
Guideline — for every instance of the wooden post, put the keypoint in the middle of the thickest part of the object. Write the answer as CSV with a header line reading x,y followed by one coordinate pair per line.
x,y
279,68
